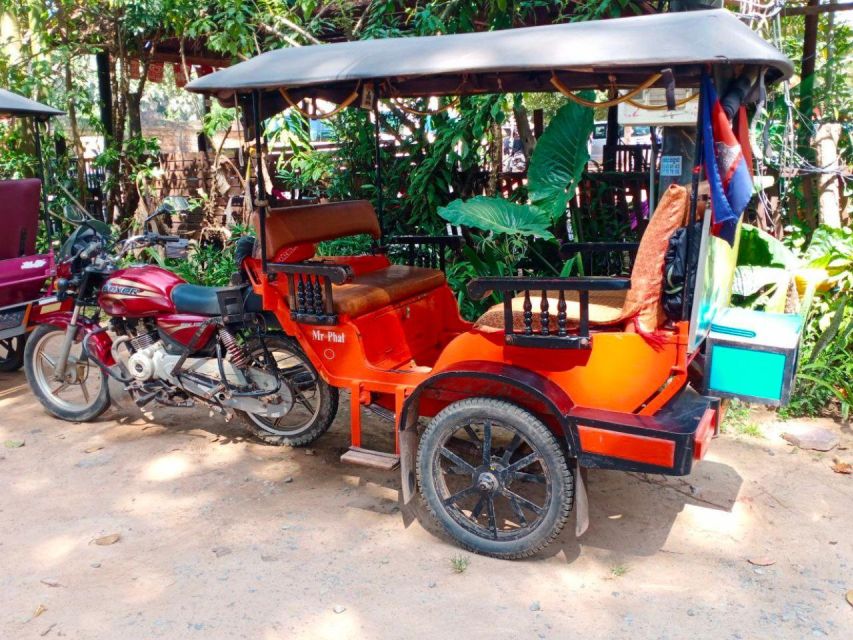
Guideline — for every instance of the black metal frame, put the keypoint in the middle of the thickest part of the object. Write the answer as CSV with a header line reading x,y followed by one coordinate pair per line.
x,y
545,337
588,250
424,251
677,422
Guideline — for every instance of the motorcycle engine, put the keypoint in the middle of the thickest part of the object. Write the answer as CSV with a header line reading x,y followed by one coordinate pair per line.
x,y
141,364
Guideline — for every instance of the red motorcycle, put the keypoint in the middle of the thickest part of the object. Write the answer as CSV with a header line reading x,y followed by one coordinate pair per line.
x,y
169,342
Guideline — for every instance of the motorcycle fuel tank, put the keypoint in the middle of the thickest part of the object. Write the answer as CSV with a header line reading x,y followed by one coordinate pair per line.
x,y
139,292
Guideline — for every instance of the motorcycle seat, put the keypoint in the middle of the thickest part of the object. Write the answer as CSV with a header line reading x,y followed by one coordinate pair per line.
x,y
204,301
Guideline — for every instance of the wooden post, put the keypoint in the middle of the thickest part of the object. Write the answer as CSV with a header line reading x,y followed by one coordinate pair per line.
x,y
612,138
105,92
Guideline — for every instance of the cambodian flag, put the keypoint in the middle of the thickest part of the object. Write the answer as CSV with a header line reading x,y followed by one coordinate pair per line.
x,y
725,167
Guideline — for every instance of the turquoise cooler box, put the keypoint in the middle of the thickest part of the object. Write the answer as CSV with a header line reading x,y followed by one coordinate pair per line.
x,y
752,355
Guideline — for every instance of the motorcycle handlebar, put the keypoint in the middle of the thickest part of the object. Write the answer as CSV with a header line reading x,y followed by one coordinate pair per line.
x,y
90,250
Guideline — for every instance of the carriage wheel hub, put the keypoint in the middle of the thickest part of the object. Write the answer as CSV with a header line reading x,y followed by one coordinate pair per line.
x,y
488,482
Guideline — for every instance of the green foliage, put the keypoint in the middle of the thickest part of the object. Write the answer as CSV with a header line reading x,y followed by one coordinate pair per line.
x,y
758,248
207,265
825,374
349,246
559,159
497,215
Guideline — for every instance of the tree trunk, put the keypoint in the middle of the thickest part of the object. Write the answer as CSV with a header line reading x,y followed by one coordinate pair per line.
x,y
495,160
528,140
79,152
829,192
806,106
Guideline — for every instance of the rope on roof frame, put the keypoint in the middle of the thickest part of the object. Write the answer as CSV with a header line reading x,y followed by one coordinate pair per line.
x,y
319,116
562,88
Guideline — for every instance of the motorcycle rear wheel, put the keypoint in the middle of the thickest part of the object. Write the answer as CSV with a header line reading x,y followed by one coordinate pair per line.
x,y
315,402
82,395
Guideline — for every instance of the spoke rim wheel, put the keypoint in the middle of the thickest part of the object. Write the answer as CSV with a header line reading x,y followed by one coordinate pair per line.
x,y
496,487
83,378
304,386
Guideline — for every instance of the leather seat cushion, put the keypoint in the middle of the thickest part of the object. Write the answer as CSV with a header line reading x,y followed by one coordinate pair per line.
x,y
376,289
296,228
605,307
193,298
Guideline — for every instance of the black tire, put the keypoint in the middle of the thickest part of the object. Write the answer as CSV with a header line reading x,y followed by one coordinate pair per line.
x,y
452,439
12,353
300,427
94,402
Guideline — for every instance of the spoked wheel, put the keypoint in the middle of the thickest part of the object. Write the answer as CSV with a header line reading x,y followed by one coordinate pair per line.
x,y
315,403
12,353
82,394
495,478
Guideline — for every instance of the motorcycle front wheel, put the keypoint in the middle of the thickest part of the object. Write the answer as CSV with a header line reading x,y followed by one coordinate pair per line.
x,y
315,402
82,394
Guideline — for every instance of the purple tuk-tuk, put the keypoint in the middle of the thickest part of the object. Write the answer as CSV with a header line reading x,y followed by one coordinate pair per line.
x,y
23,271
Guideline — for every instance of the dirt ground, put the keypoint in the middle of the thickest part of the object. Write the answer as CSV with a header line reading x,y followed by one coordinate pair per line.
x,y
222,537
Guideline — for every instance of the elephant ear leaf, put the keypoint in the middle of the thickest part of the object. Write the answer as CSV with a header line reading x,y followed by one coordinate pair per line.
x,y
498,216
559,159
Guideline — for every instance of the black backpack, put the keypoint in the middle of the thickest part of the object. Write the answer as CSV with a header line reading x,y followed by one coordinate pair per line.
x,y
672,296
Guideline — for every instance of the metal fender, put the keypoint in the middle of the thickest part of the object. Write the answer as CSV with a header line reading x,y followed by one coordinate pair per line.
x,y
473,378
99,343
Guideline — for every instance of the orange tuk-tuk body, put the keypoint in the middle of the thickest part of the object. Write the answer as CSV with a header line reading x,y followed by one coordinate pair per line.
x,y
495,419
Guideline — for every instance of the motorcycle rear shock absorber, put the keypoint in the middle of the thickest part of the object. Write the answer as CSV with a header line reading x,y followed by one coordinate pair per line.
x,y
239,357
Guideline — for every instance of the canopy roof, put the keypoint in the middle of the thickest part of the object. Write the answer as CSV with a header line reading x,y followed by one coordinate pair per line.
x,y
15,105
622,52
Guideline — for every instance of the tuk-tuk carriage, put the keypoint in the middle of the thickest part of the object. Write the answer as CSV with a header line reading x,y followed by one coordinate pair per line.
x,y
23,271
565,373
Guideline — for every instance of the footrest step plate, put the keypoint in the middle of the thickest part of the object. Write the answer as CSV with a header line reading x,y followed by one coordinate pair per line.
x,y
370,458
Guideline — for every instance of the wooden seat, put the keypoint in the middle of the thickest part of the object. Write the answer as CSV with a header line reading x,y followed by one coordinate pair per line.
x,y
376,289
293,231
641,303
605,308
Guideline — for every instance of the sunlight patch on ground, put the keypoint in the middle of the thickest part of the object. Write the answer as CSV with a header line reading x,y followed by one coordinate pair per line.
x,y
159,503
30,484
147,585
6,394
167,467
221,455
734,524
54,550
332,626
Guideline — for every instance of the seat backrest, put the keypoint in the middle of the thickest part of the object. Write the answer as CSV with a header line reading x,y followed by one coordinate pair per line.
x,y
19,217
643,300
307,224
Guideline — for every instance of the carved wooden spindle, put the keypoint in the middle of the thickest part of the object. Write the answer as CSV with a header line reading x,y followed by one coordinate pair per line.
x,y
528,314
300,295
561,314
318,296
309,295
544,316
